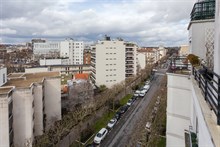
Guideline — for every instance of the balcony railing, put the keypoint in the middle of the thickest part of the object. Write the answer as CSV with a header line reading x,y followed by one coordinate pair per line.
x,y
209,83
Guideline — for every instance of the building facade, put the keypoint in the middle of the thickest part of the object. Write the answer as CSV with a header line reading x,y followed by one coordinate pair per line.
x,y
32,104
73,50
201,31
3,75
108,62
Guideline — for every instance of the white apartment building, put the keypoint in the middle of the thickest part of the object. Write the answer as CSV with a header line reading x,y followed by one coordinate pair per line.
x,y
3,75
36,102
108,62
73,50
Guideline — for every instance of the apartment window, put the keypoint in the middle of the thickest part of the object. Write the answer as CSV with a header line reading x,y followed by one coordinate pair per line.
x,y
114,58
110,47
4,78
110,69
106,59
114,80
106,80
106,75
106,70
10,109
114,74
106,53
106,64
110,80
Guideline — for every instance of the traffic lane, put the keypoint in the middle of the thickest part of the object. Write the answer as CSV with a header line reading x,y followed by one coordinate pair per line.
x,y
119,136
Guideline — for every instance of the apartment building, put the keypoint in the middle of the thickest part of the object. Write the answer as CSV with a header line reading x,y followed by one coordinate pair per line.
x,y
35,99
73,50
193,104
3,75
87,57
108,62
201,30
45,48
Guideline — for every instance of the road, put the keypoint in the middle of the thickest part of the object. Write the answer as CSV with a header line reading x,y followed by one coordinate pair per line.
x,y
122,131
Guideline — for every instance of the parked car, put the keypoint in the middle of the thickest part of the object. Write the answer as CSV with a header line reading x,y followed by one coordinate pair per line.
x,y
100,135
117,115
147,82
148,126
137,92
134,98
111,123
146,87
130,101
143,92
123,109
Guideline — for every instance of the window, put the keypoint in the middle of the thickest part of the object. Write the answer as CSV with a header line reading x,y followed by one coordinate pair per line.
x,y
4,78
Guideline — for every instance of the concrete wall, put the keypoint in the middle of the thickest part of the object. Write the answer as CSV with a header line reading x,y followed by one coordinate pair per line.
x,y
198,33
141,60
4,120
23,116
37,69
44,62
184,109
38,110
178,110
3,76
52,100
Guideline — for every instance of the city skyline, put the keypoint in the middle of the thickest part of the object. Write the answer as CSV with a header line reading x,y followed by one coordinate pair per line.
x,y
147,22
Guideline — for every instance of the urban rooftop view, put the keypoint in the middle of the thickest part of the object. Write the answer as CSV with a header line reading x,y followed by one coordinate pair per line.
x,y
128,73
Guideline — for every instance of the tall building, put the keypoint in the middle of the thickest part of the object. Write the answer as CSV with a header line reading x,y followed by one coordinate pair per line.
x,y
201,30
108,62
31,104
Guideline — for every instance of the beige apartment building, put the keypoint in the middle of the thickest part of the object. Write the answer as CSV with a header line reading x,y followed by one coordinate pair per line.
x,y
32,103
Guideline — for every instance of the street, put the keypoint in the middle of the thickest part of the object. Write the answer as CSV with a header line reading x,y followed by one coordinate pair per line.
x,y
120,134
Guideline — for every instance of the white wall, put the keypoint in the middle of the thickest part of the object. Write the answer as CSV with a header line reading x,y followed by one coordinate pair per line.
x,y
4,121
198,33
3,76
178,110
52,99
38,110
44,48
184,107
23,116
64,49
44,62
37,69
141,60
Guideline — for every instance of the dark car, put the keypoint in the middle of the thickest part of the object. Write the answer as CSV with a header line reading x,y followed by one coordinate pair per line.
x,y
123,109
118,115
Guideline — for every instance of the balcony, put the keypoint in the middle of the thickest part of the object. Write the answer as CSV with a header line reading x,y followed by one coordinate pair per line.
x,y
129,55
209,83
130,62
130,50
129,58
203,10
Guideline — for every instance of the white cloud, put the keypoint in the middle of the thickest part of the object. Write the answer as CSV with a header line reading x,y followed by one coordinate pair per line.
x,y
7,31
148,22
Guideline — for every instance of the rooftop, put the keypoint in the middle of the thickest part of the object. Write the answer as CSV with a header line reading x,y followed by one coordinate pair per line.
x,y
4,90
27,79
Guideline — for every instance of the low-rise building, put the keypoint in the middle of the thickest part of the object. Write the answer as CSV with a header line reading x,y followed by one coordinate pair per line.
x,y
3,75
36,102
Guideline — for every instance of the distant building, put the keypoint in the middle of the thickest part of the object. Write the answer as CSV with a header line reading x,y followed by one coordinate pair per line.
x,y
32,103
184,50
73,50
87,57
3,75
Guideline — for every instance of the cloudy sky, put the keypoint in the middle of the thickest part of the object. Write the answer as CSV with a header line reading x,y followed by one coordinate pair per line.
x,y
147,22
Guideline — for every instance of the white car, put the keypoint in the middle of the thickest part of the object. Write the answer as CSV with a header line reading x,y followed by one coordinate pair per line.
x,y
100,135
143,92
129,102
146,87
137,92
147,82
111,123
148,127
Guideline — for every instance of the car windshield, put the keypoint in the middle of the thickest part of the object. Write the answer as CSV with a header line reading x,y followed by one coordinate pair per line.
x,y
112,121
99,135
129,101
